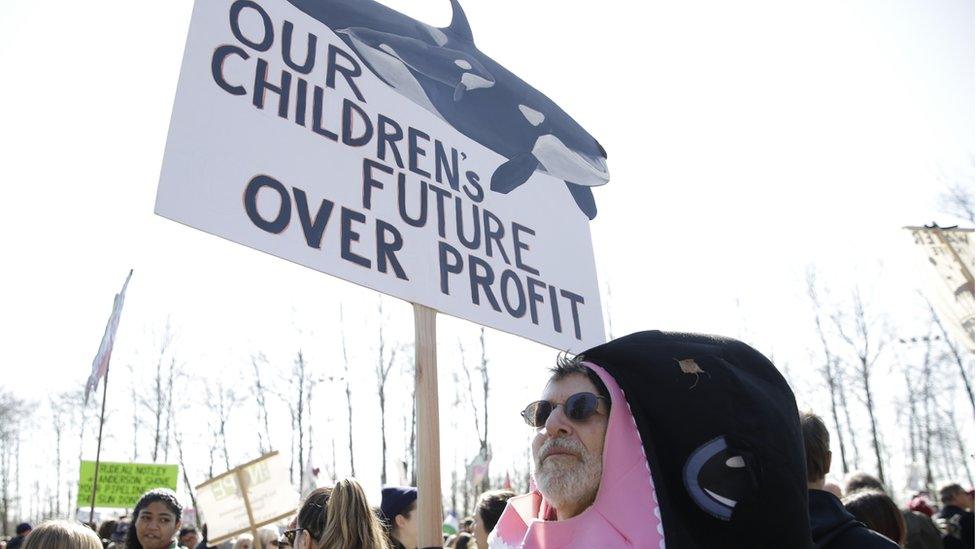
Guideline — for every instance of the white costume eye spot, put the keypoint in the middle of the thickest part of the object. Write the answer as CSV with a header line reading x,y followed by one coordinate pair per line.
x,y
735,462
463,64
721,499
533,116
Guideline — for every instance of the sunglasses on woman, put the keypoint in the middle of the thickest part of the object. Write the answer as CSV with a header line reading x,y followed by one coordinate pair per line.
x,y
578,408
288,537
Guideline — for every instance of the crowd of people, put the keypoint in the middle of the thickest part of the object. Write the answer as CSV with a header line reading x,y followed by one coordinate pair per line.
x,y
651,440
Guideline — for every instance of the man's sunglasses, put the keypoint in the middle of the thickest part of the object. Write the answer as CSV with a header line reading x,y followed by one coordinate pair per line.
x,y
578,407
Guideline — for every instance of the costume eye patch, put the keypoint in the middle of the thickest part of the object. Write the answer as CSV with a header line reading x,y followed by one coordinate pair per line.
x,y
716,478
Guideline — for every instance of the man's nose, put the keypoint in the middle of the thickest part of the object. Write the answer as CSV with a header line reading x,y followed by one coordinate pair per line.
x,y
557,423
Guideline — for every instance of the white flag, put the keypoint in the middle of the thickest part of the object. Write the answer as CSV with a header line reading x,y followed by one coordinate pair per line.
x,y
100,364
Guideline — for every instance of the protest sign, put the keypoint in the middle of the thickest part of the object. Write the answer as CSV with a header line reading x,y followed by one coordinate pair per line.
x,y
246,498
354,140
411,164
121,484
948,277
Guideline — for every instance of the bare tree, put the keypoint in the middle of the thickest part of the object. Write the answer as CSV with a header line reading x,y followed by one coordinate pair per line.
x,y
867,341
383,366
830,366
346,375
264,434
64,419
14,416
221,401
954,351
158,405
480,416
957,197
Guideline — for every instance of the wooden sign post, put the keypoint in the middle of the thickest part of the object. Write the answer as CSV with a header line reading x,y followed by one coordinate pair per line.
x,y
242,483
428,427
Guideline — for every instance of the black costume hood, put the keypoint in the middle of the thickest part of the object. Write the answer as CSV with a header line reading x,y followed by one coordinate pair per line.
x,y
721,432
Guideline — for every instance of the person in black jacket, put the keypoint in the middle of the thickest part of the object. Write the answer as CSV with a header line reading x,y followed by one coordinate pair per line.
x,y
958,522
831,525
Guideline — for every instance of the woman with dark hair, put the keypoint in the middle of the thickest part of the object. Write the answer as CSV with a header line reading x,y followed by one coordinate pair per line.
x,y
398,512
486,513
337,518
155,521
878,512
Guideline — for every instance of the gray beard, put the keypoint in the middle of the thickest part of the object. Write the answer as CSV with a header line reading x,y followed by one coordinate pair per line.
x,y
565,481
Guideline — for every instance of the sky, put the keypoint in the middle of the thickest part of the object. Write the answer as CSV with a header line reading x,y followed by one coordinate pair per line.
x,y
747,141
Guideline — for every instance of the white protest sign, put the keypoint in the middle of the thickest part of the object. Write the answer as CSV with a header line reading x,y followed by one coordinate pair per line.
x,y
269,494
284,139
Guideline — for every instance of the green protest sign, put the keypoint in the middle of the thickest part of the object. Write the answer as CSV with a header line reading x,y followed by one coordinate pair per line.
x,y
121,484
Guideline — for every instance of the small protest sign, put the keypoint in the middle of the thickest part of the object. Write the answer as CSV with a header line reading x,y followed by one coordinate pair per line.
x,y
267,496
411,164
121,484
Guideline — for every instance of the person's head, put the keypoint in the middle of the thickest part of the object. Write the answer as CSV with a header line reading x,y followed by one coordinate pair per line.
x,y
244,541
953,494
878,512
463,540
121,531
571,419
816,444
486,513
106,529
338,517
398,509
267,538
155,520
60,534
189,536
23,529
467,525
859,480
920,504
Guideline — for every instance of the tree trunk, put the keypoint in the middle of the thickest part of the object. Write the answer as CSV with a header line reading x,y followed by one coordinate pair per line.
x,y
960,445
956,356
301,413
850,426
345,363
832,387
875,441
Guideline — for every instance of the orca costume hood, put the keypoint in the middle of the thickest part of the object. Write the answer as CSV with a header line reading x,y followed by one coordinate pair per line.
x,y
721,437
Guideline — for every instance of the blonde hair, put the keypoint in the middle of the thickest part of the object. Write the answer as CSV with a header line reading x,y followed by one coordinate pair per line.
x,y
62,534
350,522
266,534
242,539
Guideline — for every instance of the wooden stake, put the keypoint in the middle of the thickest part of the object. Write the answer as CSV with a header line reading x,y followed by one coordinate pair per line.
x,y
428,428
242,485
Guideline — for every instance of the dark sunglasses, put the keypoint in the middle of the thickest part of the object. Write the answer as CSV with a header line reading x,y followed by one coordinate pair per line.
x,y
287,538
578,407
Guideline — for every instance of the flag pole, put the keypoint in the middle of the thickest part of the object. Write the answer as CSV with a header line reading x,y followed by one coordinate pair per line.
x,y
98,451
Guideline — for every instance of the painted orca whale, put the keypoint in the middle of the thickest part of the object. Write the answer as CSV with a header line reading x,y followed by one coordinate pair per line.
x,y
442,70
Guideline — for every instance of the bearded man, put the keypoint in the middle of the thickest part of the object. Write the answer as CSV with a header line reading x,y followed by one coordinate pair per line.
x,y
663,440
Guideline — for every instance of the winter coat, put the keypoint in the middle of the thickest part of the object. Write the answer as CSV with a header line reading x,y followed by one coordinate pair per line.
x,y
921,532
958,527
834,527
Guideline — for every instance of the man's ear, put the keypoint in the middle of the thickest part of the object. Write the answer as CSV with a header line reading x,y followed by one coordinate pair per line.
x,y
400,521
